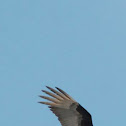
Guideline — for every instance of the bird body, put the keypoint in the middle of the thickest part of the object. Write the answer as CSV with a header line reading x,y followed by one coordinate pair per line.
x,y
68,111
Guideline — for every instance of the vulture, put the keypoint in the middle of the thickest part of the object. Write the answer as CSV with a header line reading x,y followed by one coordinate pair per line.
x,y
68,111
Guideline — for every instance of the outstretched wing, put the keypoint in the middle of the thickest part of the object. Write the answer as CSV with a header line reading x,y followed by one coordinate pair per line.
x,y
68,111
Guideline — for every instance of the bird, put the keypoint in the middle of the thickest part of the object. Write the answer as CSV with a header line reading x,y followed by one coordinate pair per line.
x,y
68,111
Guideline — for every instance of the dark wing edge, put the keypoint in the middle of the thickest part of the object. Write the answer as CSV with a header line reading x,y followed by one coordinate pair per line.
x,y
86,116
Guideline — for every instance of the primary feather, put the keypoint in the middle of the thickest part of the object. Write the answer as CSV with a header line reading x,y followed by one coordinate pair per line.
x,y
68,111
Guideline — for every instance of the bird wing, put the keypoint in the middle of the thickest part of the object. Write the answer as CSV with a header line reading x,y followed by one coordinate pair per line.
x,y
68,111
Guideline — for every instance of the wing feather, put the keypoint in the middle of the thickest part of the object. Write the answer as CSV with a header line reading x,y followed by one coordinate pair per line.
x,y
53,95
68,111
65,94
58,93
50,99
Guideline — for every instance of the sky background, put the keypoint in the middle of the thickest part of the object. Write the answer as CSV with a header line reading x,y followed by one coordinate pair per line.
x,y
76,45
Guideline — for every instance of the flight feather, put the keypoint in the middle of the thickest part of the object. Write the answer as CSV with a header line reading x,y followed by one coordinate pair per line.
x,y
68,111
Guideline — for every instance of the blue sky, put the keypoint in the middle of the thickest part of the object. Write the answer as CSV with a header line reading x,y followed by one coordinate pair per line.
x,y
77,45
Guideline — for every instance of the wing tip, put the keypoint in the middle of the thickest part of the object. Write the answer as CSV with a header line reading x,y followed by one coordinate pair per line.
x,y
41,96
56,87
40,102
47,86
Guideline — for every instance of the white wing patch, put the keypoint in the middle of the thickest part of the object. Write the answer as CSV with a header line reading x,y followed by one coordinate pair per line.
x,y
63,106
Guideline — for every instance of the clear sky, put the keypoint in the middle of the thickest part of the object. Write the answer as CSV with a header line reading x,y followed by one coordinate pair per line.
x,y
76,45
